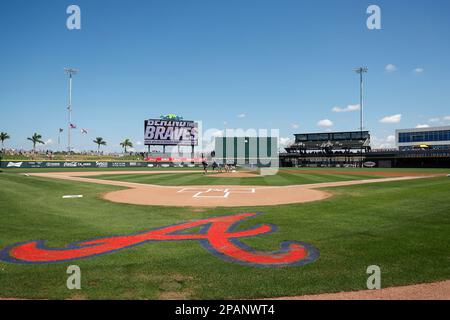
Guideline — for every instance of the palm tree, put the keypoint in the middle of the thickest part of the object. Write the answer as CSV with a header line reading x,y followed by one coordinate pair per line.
x,y
36,138
126,143
3,136
100,142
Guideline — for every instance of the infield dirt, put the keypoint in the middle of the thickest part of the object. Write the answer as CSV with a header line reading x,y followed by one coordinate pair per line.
x,y
212,196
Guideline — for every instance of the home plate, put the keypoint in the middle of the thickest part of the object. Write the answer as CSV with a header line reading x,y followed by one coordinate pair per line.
x,y
73,196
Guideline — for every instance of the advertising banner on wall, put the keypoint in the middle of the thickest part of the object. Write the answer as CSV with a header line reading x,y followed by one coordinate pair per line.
x,y
151,162
170,132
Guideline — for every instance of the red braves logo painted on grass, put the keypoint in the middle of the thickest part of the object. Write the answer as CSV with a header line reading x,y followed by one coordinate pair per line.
x,y
218,235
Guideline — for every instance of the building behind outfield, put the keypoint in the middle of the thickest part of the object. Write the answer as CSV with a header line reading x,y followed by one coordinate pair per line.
x,y
327,149
435,138
417,148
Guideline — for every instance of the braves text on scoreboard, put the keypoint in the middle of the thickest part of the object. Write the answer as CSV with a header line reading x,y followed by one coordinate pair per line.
x,y
171,132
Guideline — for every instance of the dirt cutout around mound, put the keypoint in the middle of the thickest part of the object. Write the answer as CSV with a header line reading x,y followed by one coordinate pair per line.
x,y
207,195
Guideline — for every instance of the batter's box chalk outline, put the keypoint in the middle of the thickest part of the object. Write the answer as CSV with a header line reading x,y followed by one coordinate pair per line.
x,y
203,192
191,190
243,190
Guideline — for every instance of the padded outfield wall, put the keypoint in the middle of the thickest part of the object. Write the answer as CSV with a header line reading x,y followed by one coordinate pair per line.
x,y
90,164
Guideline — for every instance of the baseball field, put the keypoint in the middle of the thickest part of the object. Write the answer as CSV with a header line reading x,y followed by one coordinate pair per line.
x,y
180,234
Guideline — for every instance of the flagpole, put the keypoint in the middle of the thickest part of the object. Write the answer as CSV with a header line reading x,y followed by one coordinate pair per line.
x,y
70,72
70,110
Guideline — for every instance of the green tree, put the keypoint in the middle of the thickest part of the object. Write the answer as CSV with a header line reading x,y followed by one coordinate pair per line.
x,y
126,143
100,142
36,138
3,136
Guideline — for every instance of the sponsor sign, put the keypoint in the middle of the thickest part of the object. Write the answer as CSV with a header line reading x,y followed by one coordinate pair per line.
x,y
76,164
53,164
369,164
170,132
101,164
33,164
14,164
150,162
119,164
173,159
70,164
85,164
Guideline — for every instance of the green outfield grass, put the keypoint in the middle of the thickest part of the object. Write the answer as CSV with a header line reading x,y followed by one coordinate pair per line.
x,y
403,227
188,179
286,176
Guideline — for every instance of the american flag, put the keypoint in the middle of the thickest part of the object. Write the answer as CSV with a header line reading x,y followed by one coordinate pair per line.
x,y
73,126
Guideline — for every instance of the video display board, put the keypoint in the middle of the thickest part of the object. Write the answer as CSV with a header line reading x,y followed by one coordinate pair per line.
x,y
170,132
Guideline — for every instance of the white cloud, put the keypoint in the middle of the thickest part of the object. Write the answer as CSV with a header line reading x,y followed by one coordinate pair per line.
x,y
295,126
390,138
217,133
241,115
439,120
349,108
396,118
383,143
325,123
390,68
48,142
422,126
208,138
285,142
138,143
419,70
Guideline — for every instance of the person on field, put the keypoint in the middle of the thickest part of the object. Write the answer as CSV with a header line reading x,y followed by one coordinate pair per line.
x,y
214,166
205,167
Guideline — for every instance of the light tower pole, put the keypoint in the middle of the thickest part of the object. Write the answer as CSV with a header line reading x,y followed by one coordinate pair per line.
x,y
361,71
70,72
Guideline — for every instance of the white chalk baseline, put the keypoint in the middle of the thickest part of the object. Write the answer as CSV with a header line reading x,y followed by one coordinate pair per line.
x,y
203,192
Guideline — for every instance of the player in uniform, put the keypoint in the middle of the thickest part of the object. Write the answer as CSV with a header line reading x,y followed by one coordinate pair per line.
x,y
205,166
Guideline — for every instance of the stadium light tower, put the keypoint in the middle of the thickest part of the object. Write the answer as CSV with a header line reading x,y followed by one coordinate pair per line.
x,y
70,72
361,71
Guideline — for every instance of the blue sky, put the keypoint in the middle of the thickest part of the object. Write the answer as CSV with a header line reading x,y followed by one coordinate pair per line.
x,y
250,63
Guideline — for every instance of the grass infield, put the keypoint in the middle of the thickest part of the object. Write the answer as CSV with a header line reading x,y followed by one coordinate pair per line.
x,y
403,227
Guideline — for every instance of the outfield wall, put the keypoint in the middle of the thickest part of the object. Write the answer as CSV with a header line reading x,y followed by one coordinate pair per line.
x,y
381,159
89,164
